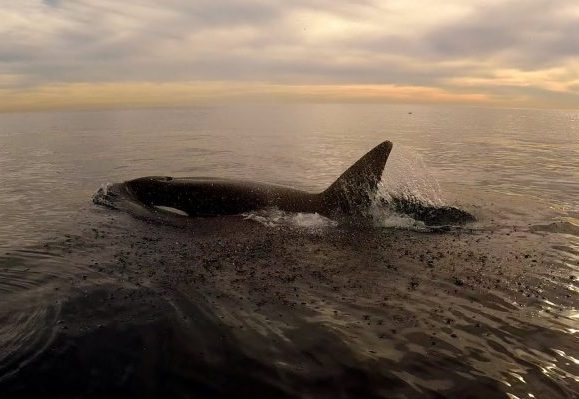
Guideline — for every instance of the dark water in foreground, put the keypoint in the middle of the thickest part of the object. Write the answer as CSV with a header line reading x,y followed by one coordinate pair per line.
x,y
96,304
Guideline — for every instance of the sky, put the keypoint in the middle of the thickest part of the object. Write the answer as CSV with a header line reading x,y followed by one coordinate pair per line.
x,y
69,54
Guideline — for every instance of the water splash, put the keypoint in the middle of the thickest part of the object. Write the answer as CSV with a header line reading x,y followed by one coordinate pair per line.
x,y
409,196
104,197
406,177
383,215
274,217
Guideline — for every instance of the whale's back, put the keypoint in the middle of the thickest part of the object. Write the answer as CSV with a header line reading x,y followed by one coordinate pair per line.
x,y
204,196
351,193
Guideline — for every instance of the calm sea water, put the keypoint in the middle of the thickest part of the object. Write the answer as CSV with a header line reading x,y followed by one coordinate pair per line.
x,y
511,318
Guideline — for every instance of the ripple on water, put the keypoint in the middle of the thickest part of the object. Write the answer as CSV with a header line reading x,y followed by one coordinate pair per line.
x,y
24,334
27,268
28,309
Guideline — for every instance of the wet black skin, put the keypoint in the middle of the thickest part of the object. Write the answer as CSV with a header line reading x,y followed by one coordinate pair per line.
x,y
199,196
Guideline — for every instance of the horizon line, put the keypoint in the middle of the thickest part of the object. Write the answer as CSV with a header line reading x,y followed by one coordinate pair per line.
x,y
141,95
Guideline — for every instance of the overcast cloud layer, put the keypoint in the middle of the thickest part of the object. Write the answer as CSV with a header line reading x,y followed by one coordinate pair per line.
x,y
509,52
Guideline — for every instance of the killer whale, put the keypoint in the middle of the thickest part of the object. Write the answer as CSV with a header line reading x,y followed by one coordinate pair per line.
x,y
351,194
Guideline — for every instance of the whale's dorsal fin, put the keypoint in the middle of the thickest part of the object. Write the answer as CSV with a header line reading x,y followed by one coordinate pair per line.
x,y
354,190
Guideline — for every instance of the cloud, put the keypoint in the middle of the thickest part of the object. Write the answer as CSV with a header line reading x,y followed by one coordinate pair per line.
x,y
473,47
525,34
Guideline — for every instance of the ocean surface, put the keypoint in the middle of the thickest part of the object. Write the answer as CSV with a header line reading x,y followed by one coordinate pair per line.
x,y
94,303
